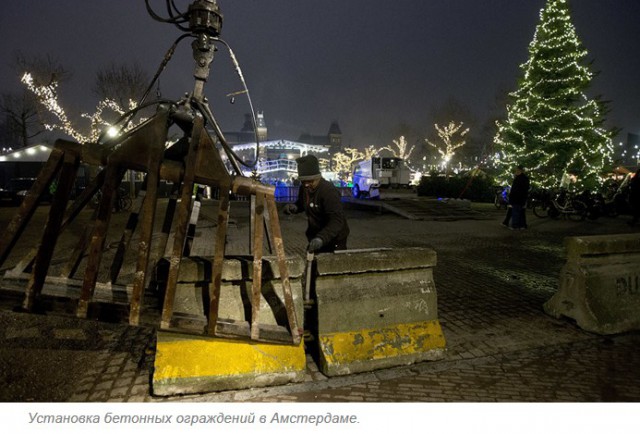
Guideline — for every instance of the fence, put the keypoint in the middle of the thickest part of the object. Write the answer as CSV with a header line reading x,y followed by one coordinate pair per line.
x,y
284,194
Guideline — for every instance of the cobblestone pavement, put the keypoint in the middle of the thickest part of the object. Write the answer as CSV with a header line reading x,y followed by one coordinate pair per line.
x,y
491,285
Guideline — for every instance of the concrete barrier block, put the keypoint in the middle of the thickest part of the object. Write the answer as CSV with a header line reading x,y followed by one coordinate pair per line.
x,y
365,261
345,353
377,299
376,309
599,285
197,269
582,249
186,364
195,279
235,301
194,364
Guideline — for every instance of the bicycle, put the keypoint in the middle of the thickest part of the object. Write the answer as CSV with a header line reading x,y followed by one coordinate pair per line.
x,y
566,204
539,202
501,199
122,201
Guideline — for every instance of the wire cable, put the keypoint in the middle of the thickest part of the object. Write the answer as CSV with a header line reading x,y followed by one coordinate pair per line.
x,y
236,65
176,17
162,66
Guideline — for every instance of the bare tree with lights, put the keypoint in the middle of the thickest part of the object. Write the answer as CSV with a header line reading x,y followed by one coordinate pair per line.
x,y
400,149
117,87
552,127
370,152
343,162
122,83
451,137
23,117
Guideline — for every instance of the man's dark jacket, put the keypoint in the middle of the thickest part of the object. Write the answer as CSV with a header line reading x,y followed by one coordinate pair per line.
x,y
325,215
519,190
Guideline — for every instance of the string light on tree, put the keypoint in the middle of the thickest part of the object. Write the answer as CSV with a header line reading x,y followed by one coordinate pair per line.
x,y
451,137
343,162
552,127
47,96
401,150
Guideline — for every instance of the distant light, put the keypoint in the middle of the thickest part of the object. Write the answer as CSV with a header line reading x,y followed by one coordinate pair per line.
x,y
112,132
43,148
3,158
31,151
17,155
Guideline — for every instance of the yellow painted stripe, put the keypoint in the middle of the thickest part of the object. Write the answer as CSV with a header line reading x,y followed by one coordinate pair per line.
x,y
387,342
187,358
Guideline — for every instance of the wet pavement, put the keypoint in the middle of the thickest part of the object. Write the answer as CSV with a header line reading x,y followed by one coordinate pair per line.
x,y
491,283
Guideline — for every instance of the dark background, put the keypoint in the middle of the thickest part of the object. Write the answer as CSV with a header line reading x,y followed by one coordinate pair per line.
x,y
372,65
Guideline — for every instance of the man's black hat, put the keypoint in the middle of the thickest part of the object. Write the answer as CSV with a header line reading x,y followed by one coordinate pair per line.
x,y
308,168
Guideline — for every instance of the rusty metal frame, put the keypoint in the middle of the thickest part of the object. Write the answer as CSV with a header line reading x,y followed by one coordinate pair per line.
x,y
143,150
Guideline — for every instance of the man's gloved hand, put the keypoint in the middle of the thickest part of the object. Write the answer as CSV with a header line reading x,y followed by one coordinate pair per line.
x,y
315,245
290,208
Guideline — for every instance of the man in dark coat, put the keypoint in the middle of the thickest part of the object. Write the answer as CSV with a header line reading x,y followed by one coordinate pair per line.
x,y
518,199
327,228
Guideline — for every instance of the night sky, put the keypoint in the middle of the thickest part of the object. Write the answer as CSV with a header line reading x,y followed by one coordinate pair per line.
x,y
369,64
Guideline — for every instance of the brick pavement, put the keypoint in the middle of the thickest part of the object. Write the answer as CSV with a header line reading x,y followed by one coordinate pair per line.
x,y
491,285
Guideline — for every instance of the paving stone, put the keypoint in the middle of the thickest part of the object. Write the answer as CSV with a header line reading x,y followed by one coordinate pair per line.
x,y
99,396
69,334
119,392
19,333
491,286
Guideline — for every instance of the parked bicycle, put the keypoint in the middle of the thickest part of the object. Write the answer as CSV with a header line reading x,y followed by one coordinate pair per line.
x,y
616,197
594,202
122,201
560,204
539,202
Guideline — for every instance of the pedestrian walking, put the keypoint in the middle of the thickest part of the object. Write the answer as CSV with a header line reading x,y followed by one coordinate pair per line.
x,y
507,218
327,228
518,199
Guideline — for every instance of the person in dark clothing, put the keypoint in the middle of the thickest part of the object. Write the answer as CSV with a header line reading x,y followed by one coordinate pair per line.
x,y
518,198
327,229
507,217
634,198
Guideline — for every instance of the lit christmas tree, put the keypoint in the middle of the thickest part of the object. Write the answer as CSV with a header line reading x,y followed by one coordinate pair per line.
x,y
552,128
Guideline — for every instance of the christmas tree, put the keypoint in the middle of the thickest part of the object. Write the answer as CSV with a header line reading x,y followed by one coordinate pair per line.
x,y
552,129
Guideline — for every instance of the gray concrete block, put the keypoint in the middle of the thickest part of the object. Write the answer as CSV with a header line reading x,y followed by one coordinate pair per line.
x,y
354,261
377,299
195,280
376,309
600,284
580,248
197,269
235,301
